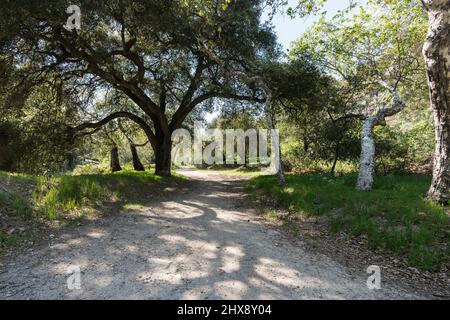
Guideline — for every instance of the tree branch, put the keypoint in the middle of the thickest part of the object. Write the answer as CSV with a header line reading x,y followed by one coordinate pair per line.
x,y
116,115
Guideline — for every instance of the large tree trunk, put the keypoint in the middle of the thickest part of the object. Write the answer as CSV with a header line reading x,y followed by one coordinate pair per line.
x,y
163,159
367,159
115,162
437,60
137,164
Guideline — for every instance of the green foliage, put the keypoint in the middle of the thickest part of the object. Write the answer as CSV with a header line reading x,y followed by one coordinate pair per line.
x,y
363,49
9,145
392,151
395,215
27,129
57,197
367,48
91,169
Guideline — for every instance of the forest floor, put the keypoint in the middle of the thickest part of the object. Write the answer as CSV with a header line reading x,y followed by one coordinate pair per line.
x,y
200,239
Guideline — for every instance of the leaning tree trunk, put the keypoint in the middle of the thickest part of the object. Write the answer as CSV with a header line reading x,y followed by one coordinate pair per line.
x,y
367,160
115,162
437,60
137,164
336,158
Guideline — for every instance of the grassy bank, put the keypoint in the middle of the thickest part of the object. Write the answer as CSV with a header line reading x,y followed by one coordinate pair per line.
x,y
394,216
29,202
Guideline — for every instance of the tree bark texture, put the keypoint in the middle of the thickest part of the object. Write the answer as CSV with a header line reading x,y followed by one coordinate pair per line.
x,y
367,159
137,164
115,162
437,60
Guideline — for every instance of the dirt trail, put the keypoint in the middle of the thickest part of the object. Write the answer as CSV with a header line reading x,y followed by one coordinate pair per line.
x,y
202,243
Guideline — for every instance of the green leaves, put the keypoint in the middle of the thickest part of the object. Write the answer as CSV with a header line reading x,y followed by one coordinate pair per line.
x,y
306,7
368,44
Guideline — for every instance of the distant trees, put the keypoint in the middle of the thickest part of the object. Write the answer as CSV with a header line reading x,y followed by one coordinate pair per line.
x,y
375,56
239,117
302,95
299,91
33,129
436,54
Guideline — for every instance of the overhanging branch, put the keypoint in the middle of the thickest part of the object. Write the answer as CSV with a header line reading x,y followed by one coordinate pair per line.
x,y
116,115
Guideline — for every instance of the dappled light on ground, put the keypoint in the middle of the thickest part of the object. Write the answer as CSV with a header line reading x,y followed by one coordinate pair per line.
x,y
202,244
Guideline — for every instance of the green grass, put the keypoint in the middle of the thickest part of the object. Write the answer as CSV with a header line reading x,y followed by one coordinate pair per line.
x,y
12,200
15,176
104,168
73,196
395,215
17,207
16,204
9,240
78,195
69,198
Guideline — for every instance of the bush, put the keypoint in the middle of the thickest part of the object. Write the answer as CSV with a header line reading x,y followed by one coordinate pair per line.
x,y
90,169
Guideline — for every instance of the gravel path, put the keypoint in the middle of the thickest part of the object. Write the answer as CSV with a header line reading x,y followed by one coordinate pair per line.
x,y
201,243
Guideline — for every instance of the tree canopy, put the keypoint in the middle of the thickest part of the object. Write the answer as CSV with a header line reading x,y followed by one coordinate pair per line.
x,y
166,57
